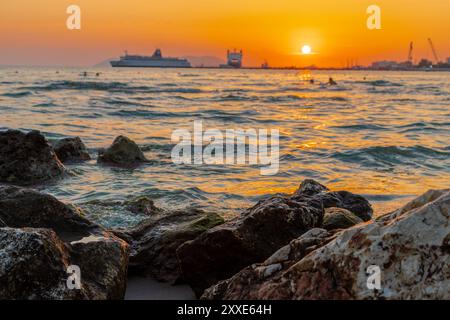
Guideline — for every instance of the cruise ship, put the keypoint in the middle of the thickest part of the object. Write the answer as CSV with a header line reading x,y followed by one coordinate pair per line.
x,y
154,61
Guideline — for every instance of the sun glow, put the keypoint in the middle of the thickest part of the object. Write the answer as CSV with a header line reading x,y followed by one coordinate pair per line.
x,y
306,49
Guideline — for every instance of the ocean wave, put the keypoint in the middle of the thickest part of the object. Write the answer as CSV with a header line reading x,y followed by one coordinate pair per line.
x,y
19,94
235,90
393,155
141,113
337,98
358,127
188,75
381,83
386,91
79,85
45,104
123,102
234,97
424,126
287,98
109,86
10,82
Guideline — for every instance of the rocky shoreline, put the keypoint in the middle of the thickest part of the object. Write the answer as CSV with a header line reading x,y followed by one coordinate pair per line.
x,y
312,244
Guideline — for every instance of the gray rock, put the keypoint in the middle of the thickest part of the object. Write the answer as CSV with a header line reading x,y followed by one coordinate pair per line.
x,y
356,204
310,187
27,158
33,264
259,231
123,151
222,251
21,207
338,218
103,260
411,248
142,205
154,241
242,284
102,257
71,150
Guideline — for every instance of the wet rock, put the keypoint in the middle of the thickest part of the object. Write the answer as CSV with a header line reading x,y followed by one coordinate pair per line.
x,y
71,150
142,205
411,248
222,251
101,256
259,231
27,158
33,265
338,218
21,207
243,284
123,151
346,200
341,199
154,241
103,260
310,187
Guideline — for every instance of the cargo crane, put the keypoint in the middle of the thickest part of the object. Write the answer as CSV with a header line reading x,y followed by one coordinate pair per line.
x,y
410,53
434,50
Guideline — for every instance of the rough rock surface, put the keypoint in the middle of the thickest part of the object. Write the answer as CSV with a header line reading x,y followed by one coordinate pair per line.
x,y
222,251
21,207
356,204
71,149
411,246
27,158
154,241
338,218
142,205
32,265
259,231
101,256
241,284
123,151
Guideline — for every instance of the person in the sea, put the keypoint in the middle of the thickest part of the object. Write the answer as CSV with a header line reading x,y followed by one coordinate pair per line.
x,y
311,81
331,82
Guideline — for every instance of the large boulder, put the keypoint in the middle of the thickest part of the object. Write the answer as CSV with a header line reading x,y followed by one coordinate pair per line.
x,y
123,151
244,282
71,150
253,236
101,256
27,158
259,231
21,207
33,264
103,260
154,241
409,247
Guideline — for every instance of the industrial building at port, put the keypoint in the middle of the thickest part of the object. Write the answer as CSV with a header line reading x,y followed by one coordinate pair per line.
x,y
409,64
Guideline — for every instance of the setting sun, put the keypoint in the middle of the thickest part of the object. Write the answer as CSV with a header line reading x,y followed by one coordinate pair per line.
x,y
306,49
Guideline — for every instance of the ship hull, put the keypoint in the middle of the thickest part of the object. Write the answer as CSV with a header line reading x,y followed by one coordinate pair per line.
x,y
151,64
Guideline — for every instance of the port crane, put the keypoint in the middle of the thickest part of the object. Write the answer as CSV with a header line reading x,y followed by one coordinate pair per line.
x,y
410,53
433,50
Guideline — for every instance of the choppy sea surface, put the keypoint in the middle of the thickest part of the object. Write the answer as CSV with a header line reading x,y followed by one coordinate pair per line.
x,y
385,135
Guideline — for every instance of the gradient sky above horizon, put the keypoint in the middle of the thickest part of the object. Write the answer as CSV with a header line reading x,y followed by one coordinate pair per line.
x,y
34,32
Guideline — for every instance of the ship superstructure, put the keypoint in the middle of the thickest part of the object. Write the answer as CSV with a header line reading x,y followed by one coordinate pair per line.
x,y
234,59
154,61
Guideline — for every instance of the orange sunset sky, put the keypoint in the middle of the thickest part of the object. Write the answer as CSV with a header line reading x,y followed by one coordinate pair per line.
x,y
34,32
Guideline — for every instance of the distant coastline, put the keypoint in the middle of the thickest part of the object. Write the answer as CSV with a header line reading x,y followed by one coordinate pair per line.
x,y
245,68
